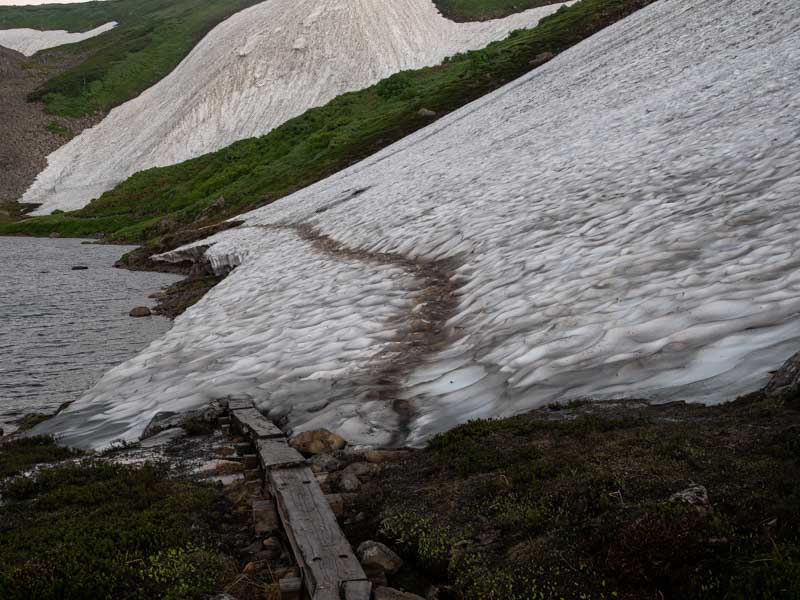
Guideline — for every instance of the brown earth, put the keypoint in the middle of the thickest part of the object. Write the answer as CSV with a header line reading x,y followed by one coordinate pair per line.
x,y
26,141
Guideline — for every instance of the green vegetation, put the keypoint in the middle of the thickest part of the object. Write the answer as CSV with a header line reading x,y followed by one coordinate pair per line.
x,y
483,10
57,128
151,38
11,212
257,171
98,530
19,455
579,503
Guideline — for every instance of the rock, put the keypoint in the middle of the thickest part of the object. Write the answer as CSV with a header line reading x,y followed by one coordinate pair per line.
x,y
324,463
360,469
426,112
319,441
55,234
788,376
696,495
251,549
373,554
272,549
161,421
348,482
79,268
387,593
140,311
541,58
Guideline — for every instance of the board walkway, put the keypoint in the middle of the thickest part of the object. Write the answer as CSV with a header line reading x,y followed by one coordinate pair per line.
x,y
329,569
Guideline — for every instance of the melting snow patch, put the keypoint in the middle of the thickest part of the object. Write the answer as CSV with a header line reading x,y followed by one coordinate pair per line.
x,y
254,71
30,41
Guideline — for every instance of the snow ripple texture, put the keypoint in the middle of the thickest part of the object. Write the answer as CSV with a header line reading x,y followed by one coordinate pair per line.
x,y
625,220
284,327
256,70
30,41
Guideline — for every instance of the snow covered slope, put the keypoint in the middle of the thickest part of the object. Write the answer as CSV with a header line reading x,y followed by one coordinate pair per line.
x,y
30,41
254,71
624,221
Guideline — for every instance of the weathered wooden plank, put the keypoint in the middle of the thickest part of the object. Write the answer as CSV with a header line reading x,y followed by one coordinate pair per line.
x,y
239,403
275,454
324,555
255,424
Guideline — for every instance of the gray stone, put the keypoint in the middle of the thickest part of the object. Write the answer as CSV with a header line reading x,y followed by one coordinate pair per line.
x,y
374,555
349,482
324,463
361,469
140,311
696,495
426,112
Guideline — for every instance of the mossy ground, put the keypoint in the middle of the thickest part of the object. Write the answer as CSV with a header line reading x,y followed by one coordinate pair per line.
x,y
322,141
575,503
89,528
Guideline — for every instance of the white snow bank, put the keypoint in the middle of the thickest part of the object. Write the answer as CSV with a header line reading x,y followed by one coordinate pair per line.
x,y
30,41
282,327
625,218
254,71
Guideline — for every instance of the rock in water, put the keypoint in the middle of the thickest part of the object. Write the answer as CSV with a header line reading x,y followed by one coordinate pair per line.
x,y
319,441
140,311
79,268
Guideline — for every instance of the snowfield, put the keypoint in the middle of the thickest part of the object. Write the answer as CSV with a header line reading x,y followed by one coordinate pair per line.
x,y
624,223
30,41
256,70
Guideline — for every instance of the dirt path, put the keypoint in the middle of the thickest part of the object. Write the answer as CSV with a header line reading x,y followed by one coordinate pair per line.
x,y
425,331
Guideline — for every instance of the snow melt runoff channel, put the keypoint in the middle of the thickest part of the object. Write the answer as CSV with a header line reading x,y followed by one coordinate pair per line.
x,y
623,220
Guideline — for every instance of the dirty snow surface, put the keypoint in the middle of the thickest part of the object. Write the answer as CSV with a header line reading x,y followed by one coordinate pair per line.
x,y
254,71
30,41
623,222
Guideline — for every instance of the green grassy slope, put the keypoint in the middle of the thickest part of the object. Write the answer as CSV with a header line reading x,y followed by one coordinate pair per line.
x,y
151,39
482,10
254,172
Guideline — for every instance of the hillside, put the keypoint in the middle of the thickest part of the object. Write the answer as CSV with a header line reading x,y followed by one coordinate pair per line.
x,y
320,142
549,241
151,38
251,73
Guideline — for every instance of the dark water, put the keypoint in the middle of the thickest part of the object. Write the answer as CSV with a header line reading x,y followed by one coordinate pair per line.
x,y
60,329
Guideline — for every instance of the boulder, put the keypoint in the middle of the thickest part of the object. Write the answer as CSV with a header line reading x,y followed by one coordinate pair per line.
x,y
374,555
426,112
787,377
541,58
319,441
140,311
348,482
695,495
387,593
79,268
360,469
324,463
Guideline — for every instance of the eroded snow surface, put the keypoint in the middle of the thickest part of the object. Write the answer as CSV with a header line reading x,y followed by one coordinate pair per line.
x,y
625,221
30,41
256,70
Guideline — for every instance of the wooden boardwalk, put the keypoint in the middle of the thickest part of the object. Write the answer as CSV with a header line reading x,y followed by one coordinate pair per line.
x,y
329,568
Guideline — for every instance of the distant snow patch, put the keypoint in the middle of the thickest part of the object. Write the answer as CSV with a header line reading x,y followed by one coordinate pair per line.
x,y
30,41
